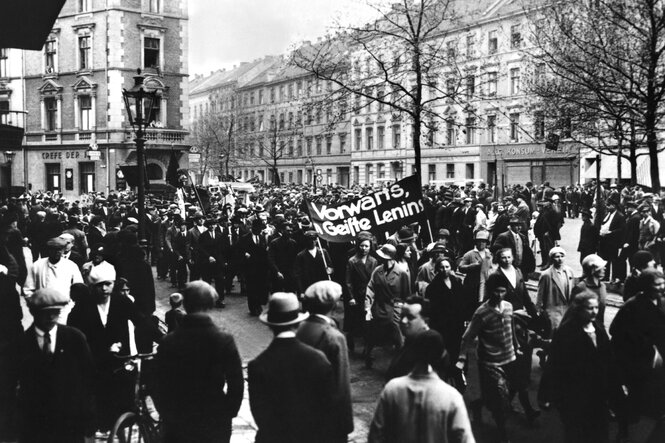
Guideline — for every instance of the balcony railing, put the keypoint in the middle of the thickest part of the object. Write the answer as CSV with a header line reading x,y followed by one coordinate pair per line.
x,y
159,135
12,124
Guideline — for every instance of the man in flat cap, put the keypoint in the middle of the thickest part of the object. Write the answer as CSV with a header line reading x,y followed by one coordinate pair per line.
x,y
291,384
312,264
54,272
55,395
320,331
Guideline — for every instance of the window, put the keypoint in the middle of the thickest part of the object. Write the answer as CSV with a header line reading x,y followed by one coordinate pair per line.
x,y
3,62
470,130
491,83
150,52
450,170
51,113
309,145
369,174
470,45
252,124
567,127
491,128
328,145
451,50
358,138
52,177
299,148
539,125
318,114
155,5
450,87
369,133
281,93
539,72
260,96
450,132
514,127
318,146
84,52
272,95
431,172
154,115
84,5
470,85
492,43
85,112
273,123
397,136
356,175
515,81
290,176
281,122
342,143
380,135
470,170
260,120
431,132
49,55
380,171
299,88
290,91
515,37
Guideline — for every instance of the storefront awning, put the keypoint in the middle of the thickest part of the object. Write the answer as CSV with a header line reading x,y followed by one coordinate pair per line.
x,y
608,168
644,170
25,24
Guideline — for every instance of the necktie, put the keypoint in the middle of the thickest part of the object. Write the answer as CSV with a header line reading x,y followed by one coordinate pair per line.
x,y
46,349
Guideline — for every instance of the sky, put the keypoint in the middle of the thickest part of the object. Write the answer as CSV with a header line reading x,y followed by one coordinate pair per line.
x,y
223,33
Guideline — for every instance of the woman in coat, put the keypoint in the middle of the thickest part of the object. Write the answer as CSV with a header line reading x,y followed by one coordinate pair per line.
x,y
358,272
579,362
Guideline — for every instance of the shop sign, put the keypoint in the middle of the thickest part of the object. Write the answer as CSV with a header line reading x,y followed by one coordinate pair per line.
x,y
62,155
512,152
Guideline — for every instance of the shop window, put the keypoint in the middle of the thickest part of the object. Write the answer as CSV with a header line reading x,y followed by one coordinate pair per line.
x,y
53,177
87,177
151,52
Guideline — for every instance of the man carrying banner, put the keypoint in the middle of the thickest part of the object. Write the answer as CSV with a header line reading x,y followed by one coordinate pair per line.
x,y
312,264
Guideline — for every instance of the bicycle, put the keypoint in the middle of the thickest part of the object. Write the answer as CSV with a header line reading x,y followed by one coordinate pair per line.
x,y
138,424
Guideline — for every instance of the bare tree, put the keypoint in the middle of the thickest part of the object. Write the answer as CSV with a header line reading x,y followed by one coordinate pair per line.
x,y
214,134
394,62
601,78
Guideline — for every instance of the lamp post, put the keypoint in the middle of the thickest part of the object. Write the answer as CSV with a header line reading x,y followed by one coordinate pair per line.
x,y
138,102
9,158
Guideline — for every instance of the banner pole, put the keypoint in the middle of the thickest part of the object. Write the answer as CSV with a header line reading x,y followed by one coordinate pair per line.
x,y
323,256
429,228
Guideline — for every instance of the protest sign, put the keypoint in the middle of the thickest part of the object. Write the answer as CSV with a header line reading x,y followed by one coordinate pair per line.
x,y
382,211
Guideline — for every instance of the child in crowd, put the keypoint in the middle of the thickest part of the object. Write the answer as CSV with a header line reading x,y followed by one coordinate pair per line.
x,y
174,316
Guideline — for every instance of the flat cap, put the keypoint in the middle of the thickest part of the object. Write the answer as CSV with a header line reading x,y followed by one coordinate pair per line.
x,y
47,298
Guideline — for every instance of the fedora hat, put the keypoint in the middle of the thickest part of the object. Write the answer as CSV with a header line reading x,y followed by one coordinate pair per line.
x,y
387,252
283,310
405,235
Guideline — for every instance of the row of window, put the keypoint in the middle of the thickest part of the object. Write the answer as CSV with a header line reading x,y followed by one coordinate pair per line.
x,y
151,53
287,148
154,6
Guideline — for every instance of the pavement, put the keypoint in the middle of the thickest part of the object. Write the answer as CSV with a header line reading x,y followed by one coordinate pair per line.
x,y
252,337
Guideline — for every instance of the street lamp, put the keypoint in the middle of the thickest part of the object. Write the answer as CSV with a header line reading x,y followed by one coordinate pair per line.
x,y
9,158
138,102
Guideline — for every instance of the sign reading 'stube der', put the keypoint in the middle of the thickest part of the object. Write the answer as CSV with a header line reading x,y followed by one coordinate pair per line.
x,y
383,211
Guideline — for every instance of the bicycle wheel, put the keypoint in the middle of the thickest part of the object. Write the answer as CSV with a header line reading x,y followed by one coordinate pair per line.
x,y
128,428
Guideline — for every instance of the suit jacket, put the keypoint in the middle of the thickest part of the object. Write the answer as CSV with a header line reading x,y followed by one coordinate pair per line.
x,y
257,264
615,237
217,248
291,388
55,395
193,235
194,365
631,235
95,237
517,295
323,335
552,297
506,240
309,270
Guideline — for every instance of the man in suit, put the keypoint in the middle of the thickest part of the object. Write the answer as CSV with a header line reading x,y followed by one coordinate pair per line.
x,y
282,253
312,264
213,247
514,239
193,246
176,247
55,376
96,231
291,384
69,252
320,332
191,397
465,229
104,321
555,287
252,249
611,239
631,236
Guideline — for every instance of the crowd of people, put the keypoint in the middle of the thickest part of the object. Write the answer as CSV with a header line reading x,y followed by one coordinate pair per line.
x,y
436,292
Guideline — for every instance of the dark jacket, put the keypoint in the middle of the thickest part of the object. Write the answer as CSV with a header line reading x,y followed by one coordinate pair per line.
x,y
194,365
309,270
506,240
55,395
291,389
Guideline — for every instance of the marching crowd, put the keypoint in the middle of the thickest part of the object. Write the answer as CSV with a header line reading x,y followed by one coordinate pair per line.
x,y
436,291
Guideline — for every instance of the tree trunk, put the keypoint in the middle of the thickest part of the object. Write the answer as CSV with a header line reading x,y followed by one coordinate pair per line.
x,y
633,163
416,148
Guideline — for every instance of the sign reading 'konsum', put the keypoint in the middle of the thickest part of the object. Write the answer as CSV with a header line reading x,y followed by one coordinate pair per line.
x,y
383,211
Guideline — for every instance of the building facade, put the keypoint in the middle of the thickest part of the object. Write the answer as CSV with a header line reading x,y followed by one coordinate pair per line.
x,y
77,134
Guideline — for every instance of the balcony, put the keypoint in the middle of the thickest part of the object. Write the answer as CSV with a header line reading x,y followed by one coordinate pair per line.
x,y
12,129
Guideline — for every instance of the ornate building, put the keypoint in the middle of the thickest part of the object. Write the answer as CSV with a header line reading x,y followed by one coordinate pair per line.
x,y
77,134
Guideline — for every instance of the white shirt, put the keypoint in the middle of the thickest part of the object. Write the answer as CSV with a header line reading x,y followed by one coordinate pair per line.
x,y
605,227
60,276
40,337
511,275
286,334
312,252
103,310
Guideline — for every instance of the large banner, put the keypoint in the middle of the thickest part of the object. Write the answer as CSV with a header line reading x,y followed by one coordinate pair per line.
x,y
383,211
